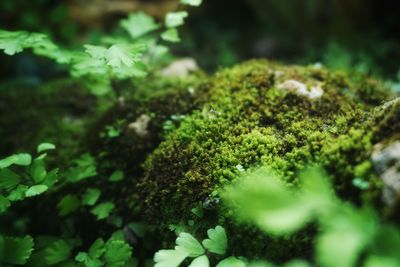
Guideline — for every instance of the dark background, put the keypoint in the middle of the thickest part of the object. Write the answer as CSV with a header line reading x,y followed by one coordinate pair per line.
x,y
353,35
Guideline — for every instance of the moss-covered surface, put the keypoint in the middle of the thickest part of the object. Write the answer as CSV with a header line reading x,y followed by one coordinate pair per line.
x,y
180,144
249,117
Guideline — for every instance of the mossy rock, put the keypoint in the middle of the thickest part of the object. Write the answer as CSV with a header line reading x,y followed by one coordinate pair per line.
x,y
255,114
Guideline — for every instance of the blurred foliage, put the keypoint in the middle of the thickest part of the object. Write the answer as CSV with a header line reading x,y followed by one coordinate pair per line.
x,y
341,34
347,235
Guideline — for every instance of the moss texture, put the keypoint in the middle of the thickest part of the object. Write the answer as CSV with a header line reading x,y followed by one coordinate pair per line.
x,y
180,144
253,115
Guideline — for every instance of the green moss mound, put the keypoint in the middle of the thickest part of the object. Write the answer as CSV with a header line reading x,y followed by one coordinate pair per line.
x,y
264,114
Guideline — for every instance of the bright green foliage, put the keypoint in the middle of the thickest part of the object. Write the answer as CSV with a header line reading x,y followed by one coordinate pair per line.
x,y
344,237
116,59
170,258
38,170
192,2
175,19
15,251
103,210
17,159
188,243
217,241
188,246
171,35
112,132
45,146
117,253
58,252
8,179
138,24
231,262
113,253
92,258
15,42
91,196
266,201
201,261
20,177
85,167
345,234
36,190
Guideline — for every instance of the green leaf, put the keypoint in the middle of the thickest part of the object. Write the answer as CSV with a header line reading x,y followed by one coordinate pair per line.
x,y
175,19
121,55
97,249
85,168
36,190
38,170
116,176
4,204
192,2
117,253
317,191
261,198
170,257
87,260
12,42
231,262
344,236
190,245
45,146
217,241
68,204
381,261
138,24
91,259
51,178
95,51
103,210
16,250
8,179
297,263
387,242
171,35
22,159
201,261
18,193
91,196
112,132
57,252
15,42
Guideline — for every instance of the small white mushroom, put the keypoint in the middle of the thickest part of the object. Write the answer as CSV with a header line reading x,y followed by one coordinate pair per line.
x,y
301,89
140,125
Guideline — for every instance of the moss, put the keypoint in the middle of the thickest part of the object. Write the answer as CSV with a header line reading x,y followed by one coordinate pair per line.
x,y
248,118
139,121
